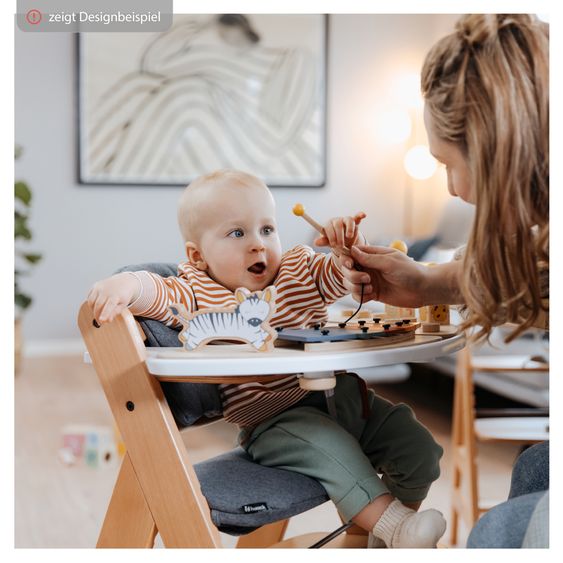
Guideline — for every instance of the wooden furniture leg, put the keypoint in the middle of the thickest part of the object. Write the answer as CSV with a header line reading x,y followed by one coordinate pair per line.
x,y
155,448
128,521
264,536
464,469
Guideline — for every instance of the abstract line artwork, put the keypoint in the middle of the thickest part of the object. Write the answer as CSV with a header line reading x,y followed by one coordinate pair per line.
x,y
214,91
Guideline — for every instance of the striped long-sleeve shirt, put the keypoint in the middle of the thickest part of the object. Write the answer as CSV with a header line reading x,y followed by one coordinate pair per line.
x,y
306,283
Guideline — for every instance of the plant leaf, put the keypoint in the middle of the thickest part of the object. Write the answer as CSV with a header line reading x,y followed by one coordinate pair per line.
x,y
22,192
20,227
33,258
23,301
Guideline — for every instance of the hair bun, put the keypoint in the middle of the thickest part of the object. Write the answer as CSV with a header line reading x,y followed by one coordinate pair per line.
x,y
478,29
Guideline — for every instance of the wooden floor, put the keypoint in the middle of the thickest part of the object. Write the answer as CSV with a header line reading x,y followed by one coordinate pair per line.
x,y
60,506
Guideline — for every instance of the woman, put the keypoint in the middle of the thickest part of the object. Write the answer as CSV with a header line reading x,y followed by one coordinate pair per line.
x,y
486,89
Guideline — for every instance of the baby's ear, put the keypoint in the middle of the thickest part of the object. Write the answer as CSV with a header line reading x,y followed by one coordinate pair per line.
x,y
194,256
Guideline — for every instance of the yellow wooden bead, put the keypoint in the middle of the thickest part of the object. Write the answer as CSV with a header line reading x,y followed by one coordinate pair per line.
x,y
399,245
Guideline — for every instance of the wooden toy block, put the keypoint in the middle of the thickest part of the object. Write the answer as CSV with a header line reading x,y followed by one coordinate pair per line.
x,y
435,314
247,322
392,312
91,445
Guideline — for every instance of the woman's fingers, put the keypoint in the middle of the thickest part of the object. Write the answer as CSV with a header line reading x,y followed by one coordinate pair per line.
x,y
355,276
374,260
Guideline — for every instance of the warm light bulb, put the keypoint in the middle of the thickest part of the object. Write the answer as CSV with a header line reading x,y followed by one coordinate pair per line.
x,y
419,163
393,127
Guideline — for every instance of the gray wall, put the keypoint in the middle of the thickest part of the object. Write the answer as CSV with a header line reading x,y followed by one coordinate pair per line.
x,y
86,232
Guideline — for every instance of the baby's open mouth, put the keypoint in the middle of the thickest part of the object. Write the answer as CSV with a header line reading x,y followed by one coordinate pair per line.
x,y
257,268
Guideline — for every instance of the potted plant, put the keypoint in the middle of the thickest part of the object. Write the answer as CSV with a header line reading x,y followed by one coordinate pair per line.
x,y
23,258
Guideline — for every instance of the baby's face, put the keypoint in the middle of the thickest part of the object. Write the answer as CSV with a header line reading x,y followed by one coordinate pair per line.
x,y
240,242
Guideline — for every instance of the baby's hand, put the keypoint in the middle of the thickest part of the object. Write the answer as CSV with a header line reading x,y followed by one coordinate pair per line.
x,y
110,296
342,232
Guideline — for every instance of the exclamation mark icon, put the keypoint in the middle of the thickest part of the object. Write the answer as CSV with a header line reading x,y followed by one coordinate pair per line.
x,y
34,17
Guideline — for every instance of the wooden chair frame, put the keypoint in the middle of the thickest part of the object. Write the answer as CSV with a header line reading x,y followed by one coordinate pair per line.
x,y
465,482
157,489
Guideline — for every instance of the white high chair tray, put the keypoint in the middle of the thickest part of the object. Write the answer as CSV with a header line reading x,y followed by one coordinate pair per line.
x,y
238,359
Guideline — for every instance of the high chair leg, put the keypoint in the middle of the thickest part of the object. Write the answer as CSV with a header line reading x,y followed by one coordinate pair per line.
x,y
128,521
157,455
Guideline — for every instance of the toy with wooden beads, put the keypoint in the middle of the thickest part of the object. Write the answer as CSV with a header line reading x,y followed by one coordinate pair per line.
x,y
358,334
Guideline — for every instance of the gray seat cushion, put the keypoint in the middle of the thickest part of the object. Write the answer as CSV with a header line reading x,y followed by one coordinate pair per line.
x,y
242,495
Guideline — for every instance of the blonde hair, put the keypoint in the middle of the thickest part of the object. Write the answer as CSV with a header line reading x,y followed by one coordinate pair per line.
x,y
486,87
199,193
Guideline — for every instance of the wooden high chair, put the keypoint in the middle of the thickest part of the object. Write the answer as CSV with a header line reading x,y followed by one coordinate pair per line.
x,y
158,489
467,430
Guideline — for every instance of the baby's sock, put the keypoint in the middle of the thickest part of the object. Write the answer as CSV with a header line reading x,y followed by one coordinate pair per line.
x,y
400,526
374,542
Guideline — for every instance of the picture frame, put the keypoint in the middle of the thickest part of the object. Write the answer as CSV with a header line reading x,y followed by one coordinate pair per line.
x,y
215,91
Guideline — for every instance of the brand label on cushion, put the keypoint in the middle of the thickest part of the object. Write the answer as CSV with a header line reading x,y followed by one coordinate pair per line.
x,y
254,507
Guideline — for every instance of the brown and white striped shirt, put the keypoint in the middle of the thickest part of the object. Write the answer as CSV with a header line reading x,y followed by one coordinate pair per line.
x,y
306,283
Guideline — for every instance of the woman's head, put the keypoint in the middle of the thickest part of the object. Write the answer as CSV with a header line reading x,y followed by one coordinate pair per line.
x,y
486,90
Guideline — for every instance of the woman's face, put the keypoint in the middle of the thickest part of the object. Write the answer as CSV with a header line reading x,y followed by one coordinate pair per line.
x,y
452,158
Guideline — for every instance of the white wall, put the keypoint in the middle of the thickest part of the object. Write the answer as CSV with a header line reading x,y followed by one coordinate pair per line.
x,y
86,232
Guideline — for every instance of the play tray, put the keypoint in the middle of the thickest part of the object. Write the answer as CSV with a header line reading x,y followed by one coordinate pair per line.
x,y
337,334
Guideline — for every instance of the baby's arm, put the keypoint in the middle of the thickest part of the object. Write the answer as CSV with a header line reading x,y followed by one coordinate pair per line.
x,y
144,293
110,296
340,234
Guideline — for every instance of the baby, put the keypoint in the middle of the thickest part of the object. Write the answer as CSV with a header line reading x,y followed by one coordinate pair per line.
x,y
227,220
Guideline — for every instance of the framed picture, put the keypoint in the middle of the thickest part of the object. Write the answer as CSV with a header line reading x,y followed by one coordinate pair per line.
x,y
214,91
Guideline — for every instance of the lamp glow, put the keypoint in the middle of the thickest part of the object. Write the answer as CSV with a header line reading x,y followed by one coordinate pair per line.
x,y
407,89
393,127
419,163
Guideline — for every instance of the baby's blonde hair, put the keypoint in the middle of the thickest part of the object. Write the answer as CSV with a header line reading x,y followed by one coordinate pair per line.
x,y
486,87
199,193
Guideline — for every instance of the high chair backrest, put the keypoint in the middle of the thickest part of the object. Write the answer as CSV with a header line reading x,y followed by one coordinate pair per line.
x,y
189,402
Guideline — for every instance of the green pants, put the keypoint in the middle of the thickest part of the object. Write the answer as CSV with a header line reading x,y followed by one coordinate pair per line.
x,y
347,455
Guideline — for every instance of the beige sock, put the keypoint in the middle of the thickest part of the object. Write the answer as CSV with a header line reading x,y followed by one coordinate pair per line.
x,y
400,526
375,543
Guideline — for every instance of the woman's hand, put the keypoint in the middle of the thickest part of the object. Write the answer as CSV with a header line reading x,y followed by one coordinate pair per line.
x,y
110,296
388,275
392,277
